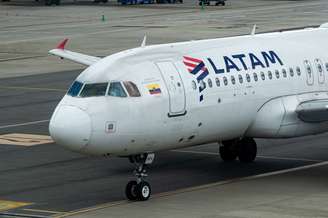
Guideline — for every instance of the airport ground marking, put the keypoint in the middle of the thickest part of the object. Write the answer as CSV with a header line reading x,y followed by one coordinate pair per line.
x,y
43,211
7,214
93,208
21,58
290,158
259,156
24,88
71,35
191,189
24,124
24,139
7,205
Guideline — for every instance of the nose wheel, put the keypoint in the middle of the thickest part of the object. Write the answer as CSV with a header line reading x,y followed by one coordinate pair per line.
x,y
139,189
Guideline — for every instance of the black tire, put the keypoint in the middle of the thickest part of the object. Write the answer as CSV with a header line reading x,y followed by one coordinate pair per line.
x,y
57,2
143,191
47,2
131,190
228,153
247,150
223,3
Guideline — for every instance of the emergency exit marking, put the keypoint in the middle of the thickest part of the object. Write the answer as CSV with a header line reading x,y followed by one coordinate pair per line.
x,y
24,139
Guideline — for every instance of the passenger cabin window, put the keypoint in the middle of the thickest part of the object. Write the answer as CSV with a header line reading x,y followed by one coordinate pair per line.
x,y
116,90
255,77
132,89
248,78
326,67
291,72
225,81
270,75
93,90
233,80
217,81
209,81
298,71
75,89
240,79
262,76
284,73
277,74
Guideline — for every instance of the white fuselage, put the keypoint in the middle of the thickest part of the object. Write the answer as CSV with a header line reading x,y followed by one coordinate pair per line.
x,y
176,110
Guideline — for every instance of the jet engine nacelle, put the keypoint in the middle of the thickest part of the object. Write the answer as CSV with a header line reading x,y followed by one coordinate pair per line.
x,y
278,118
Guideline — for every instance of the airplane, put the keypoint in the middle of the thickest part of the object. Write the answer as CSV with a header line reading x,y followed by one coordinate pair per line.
x,y
228,90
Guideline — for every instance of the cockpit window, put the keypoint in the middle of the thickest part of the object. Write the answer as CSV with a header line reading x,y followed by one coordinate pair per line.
x,y
116,89
132,89
95,89
75,89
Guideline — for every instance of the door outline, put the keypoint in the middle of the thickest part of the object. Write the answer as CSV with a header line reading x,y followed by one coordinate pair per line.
x,y
309,73
321,75
171,113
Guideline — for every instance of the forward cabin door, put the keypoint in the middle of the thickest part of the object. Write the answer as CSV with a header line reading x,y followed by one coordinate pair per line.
x,y
175,88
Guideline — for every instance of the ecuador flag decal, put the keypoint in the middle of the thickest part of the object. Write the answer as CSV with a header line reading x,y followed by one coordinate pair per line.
x,y
154,89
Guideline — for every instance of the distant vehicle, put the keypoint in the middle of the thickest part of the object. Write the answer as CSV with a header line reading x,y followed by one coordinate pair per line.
x,y
208,2
160,97
132,2
46,2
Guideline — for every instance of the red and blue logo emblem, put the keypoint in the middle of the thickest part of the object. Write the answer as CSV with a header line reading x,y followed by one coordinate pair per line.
x,y
197,68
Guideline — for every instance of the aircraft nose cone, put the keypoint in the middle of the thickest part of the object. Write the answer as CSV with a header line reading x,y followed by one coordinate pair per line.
x,y
71,127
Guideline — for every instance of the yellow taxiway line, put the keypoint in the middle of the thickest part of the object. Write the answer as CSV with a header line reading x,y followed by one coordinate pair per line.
x,y
7,205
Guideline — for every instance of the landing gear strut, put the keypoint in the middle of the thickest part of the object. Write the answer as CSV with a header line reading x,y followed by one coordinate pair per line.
x,y
245,149
139,189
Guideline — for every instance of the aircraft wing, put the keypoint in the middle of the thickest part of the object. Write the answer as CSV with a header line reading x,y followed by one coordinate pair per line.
x,y
313,111
73,56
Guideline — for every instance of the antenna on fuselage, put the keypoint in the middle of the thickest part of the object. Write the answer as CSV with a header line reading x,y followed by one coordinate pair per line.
x,y
253,30
143,44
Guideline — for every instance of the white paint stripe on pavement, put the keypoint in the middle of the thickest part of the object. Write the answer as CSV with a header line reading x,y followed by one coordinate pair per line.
x,y
24,124
264,157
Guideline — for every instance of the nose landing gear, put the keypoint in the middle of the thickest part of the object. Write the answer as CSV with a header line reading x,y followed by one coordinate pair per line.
x,y
139,189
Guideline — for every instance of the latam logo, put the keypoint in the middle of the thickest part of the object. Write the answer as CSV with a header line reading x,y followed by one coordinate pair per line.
x,y
197,68
233,63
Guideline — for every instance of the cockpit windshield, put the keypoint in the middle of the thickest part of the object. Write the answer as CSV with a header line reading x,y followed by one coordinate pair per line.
x,y
75,89
132,89
116,90
93,90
